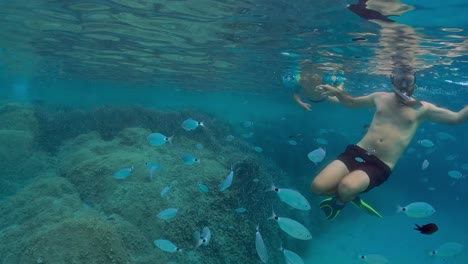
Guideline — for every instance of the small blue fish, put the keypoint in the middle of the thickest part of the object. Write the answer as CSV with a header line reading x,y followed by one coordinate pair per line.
x,y
123,173
158,139
206,235
292,227
317,155
258,149
292,197
191,124
202,187
260,246
417,209
445,136
153,168
290,54
426,143
425,164
248,135
167,214
449,249
454,174
247,124
152,171
292,142
230,138
321,141
373,259
359,159
464,166
451,157
227,182
166,245
197,239
199,146
151,164
202,238
165,191
189,159
291,257
241,210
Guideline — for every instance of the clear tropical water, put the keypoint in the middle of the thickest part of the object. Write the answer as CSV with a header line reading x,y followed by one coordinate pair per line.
x,y
83,84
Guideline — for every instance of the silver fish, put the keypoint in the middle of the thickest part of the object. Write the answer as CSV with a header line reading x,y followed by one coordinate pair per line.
x,y
260,246
292,227
227,182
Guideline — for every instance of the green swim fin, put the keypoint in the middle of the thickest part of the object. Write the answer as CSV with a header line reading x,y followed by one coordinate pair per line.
x,y
358,202
330,207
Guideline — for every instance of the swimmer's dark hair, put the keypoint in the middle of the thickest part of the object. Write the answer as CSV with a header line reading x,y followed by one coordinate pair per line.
x,y
403,70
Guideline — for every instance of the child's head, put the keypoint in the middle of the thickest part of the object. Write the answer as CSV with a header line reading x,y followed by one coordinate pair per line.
x,y
310,79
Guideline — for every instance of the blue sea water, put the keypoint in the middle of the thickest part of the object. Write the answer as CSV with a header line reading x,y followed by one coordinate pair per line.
x,y
82,82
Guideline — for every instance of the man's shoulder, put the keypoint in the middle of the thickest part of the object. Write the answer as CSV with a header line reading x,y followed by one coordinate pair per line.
x,y
386,93
381,94
426,105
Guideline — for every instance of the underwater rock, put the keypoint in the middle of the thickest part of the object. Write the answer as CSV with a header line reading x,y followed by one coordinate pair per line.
x,y
47,222
17,146
247,169
20,158
132,136
15,116
86,148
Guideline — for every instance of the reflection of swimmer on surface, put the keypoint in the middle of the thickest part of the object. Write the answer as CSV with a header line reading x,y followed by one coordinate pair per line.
x,y
305,81
379,10
398,43
363,10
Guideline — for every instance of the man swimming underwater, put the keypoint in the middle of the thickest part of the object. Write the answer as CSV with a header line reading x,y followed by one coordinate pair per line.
x,y
369,163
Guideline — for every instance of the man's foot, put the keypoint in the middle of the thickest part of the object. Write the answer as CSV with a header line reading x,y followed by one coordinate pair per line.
x,y
358,202
330,207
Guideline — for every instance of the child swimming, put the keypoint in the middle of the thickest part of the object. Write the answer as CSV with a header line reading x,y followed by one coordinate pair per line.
x,y
305,81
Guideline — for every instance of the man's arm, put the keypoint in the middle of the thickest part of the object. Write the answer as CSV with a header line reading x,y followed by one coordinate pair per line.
x,y
441,115
333,99
347,100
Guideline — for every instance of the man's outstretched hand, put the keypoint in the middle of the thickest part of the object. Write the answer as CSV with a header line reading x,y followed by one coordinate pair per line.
x,y
327,90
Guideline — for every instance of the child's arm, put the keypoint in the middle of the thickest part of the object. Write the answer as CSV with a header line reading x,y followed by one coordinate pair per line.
x,y
298,100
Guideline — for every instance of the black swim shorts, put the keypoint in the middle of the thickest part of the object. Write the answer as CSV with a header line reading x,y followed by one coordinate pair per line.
x,y
323,99
357,158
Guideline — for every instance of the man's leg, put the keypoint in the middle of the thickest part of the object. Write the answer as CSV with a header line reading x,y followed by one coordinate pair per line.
x,y
351,186
326,182
348,188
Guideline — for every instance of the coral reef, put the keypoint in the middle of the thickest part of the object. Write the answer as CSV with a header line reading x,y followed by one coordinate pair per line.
x,y
47,223
58,124
20,157
78,213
